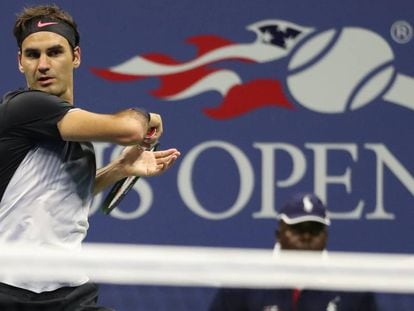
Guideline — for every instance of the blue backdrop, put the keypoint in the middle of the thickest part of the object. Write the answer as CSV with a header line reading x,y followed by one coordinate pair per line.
x,y
264,99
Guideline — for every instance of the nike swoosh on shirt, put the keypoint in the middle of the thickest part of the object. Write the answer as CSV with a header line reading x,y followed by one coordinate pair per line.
x,y
40,24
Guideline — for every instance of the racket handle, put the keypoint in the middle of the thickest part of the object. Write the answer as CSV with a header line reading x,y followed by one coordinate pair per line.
x,y
114,196
109,204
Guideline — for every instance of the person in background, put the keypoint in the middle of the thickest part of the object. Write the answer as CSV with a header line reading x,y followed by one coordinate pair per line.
x,y
303,225
47,161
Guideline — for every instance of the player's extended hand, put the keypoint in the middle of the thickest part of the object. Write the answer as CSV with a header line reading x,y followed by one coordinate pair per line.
x,y
136,161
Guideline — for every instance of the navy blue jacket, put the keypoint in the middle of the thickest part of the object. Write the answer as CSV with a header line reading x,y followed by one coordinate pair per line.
x,y
282,300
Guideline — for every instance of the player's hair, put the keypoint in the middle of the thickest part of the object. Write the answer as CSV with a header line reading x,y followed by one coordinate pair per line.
x,y
51,11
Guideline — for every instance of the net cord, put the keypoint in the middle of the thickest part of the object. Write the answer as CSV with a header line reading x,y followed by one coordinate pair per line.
x,y
210,266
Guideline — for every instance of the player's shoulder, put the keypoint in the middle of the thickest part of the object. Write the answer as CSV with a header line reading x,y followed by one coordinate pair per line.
x,y
30,96
33,102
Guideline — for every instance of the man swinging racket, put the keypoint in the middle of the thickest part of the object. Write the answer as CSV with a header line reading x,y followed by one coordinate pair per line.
x,y
47,161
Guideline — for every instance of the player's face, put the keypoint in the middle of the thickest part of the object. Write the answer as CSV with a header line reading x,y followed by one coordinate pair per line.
x,y
309,236
47,61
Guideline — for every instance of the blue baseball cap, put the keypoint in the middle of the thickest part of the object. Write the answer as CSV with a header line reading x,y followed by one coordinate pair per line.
x,y
304,207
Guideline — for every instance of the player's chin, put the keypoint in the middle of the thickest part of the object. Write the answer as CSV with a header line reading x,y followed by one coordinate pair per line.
x,y
50,88
44,88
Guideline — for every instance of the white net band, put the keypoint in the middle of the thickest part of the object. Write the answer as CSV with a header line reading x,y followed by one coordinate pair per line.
x,y
217,267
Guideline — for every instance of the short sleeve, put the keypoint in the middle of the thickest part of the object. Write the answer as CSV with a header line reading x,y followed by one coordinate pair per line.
x,y
35,114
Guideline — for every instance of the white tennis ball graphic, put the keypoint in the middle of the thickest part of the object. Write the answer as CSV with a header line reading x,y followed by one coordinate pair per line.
x,y
337,81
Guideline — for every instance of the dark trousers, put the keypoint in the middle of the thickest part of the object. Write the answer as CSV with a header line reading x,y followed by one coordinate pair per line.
x,y
80,298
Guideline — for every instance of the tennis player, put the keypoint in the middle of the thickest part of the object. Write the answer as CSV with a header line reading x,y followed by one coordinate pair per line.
x,y
47,161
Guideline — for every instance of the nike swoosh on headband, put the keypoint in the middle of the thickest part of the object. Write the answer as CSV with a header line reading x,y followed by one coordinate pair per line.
x,y
40,24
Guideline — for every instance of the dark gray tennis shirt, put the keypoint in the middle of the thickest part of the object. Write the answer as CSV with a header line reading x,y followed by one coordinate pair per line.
x,y
46,183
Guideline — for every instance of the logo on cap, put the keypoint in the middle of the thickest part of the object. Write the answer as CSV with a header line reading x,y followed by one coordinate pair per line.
x,y
307,204
304,207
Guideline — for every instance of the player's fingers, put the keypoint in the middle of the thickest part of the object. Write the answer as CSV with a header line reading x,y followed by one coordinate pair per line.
x,y
165,163
166,153
170,162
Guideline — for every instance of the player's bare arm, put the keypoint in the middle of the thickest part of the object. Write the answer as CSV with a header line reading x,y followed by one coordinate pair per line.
x,y
127,127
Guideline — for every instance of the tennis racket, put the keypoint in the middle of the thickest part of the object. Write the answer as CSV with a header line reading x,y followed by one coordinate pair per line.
x,y
121,188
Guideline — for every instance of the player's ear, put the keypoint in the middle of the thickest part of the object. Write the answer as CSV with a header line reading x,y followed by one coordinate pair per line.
x,y
76,57
19,58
